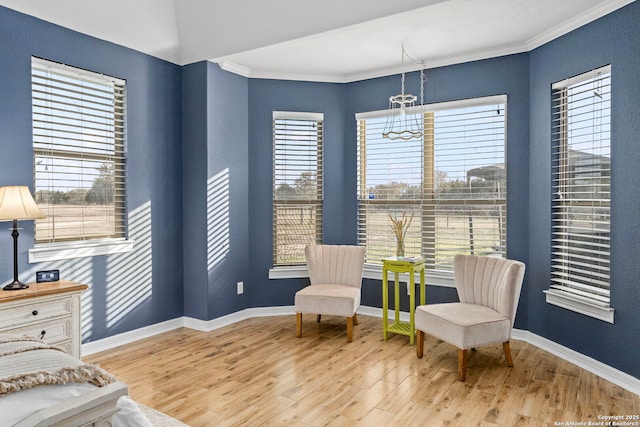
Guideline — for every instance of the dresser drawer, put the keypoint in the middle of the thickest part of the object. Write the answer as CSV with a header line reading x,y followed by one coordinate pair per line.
x,y
23,314
52,332
52,307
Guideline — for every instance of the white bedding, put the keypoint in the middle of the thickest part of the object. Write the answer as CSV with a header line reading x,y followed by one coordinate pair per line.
x,y
14,407
41,384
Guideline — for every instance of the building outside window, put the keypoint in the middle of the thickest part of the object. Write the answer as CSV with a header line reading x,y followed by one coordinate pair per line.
x,y
581,198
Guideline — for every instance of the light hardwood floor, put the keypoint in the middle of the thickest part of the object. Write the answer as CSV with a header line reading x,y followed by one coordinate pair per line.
x,y
256,372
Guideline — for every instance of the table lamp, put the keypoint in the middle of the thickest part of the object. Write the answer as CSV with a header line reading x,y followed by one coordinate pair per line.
x,y
17,203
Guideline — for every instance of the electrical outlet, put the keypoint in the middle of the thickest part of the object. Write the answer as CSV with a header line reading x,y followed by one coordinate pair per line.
x,y
240,287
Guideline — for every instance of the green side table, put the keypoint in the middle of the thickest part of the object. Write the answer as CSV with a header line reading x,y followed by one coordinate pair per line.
x,y
399,265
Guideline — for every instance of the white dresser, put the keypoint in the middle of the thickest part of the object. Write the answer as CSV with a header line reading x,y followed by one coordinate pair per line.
x,y
50,311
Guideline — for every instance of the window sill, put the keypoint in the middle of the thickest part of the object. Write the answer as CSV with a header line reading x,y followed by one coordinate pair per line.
x,y
371,271
561,299
289,272
59,251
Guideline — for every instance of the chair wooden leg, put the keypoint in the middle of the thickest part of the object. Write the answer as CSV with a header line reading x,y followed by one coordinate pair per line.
x,y
298,325
420,345
507,353
318,318
349,329
462,365
355,318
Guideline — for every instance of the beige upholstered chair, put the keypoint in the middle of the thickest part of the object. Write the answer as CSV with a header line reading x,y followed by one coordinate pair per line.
x,y
489,290
335,273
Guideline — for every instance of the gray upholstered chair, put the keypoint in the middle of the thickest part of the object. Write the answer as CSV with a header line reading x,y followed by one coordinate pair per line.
x,y
335,274
489,290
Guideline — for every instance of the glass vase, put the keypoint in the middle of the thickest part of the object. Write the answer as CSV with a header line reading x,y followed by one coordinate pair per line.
x,y
400,248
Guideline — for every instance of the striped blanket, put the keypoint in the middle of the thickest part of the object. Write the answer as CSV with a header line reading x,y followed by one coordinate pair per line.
x,y
28,362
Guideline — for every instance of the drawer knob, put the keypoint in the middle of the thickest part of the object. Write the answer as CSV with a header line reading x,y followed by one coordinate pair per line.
x,y
42,334
34,312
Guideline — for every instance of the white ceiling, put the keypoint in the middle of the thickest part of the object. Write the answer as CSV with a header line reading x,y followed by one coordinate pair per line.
x,y
328,40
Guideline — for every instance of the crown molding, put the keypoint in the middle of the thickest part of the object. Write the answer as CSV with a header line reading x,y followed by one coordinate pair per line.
x,y
578,21
372,74
480,55
232,67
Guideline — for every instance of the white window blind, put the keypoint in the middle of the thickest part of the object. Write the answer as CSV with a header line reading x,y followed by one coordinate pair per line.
x,y
297,185
78,153
451,183
581,188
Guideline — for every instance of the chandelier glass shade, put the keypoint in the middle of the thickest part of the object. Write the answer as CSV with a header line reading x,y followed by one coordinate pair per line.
x,y
404,121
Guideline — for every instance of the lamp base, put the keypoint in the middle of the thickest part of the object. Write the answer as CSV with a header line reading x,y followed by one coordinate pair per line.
x,y
15,285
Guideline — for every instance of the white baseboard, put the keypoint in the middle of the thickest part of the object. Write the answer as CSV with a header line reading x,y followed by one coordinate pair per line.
x,y
182,322
377,312
210,325
607,372
130,336
600,369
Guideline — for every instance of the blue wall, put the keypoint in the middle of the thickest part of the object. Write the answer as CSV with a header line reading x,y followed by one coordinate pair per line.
x,y
227,191
215,190
508,75
266,96
200,165
505,75
194,188
613,40
142,287
526,79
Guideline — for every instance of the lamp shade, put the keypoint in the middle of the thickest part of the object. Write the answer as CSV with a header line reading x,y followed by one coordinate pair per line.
x,y
16,202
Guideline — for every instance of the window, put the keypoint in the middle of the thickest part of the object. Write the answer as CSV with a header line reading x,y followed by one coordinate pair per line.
x,y
78,153
297,185
581,199
451,183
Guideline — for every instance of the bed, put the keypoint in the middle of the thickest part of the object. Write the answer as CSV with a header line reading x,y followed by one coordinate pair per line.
x,y
41,385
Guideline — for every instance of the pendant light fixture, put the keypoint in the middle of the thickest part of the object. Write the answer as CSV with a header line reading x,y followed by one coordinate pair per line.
x,y
404,121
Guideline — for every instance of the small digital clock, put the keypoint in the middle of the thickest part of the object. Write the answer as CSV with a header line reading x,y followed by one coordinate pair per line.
x,y
47,276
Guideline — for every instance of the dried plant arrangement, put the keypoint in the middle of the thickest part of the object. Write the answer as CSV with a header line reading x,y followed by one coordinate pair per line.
x,y
399,226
